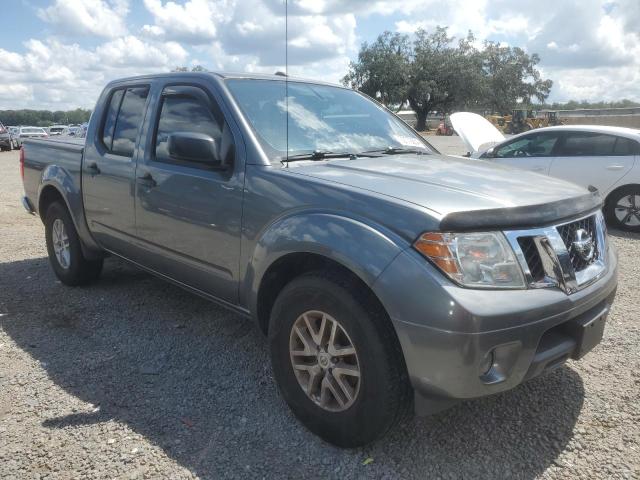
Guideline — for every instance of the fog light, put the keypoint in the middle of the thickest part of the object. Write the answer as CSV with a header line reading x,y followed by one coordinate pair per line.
x,y
487,363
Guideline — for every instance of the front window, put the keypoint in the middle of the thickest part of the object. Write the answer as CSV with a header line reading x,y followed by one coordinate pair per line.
x,y
321,118
532,145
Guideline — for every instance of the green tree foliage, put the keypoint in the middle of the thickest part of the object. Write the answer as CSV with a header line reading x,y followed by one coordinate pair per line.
x,y
197,68
44,118
434,72
510,74
382,69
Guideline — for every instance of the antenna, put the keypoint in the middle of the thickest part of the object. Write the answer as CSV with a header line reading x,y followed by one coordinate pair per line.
x,y
286,72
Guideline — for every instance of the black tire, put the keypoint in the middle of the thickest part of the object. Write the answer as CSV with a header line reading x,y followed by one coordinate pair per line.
x,y
80,271
612,202
385,395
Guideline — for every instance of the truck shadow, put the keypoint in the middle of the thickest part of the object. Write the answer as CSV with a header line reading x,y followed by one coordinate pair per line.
x,y
195,380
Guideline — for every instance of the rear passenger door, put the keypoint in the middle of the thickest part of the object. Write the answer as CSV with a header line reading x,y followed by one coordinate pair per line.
x,y
592,158
533,151
108,176
188,213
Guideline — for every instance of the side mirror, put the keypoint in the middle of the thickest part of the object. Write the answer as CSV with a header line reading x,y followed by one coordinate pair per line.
x,y
489,153
194,147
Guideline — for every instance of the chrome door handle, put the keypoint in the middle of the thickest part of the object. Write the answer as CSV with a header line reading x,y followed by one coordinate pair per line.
x,y
537,169
615,167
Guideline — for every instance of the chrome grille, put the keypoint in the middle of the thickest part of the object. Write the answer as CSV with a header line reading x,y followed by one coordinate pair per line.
x,y
549,256
568,232
532,257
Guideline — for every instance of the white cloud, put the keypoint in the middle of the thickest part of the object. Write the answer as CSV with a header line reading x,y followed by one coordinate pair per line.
x,y
103,18
193,22
590,49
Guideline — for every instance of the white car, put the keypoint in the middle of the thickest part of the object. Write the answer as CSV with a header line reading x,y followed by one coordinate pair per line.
x,y
56,129
607,158
30,132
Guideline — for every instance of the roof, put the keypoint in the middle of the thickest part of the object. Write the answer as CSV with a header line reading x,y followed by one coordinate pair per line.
x,y
593,128
224,75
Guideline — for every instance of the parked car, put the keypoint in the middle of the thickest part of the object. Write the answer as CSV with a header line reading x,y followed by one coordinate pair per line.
x,y
385,275
70,131
607,158
30,132
6,140
56,129
15,133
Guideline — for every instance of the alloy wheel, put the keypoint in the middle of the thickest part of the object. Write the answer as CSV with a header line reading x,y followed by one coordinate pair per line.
x,y
61,243
325,361
627,210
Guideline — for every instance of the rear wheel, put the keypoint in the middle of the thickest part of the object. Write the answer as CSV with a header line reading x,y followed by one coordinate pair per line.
x,y
623,209
65,252
336,360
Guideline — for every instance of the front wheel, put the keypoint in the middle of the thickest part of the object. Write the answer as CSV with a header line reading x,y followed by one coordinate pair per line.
x,y
65,252
623,209
337,361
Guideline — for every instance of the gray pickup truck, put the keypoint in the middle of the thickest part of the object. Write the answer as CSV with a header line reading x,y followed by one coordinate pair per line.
x,y
386,276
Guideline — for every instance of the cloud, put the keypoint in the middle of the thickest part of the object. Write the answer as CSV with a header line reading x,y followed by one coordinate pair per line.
x,y
590,49
103,18
194,22
53,74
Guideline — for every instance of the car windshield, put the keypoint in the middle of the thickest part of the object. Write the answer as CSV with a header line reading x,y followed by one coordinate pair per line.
x,y
321,118
33,130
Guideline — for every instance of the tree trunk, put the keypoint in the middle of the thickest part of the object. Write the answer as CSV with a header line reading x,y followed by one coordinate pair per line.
x,y
421,120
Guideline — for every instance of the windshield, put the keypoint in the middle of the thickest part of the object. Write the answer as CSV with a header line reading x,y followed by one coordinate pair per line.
x,y
321,118
33,130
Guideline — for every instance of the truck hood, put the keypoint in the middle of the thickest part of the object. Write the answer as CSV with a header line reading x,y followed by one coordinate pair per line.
x,y
447,185
476,132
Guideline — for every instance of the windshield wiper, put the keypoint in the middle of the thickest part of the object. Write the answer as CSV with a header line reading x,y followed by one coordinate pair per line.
x,y
396,151
323,155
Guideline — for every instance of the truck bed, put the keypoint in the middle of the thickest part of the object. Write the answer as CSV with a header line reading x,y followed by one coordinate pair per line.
x,y
52,157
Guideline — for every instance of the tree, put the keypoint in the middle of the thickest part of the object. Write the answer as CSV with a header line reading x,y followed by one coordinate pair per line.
x,y
443,76
433,72
197,68
382,69
511,76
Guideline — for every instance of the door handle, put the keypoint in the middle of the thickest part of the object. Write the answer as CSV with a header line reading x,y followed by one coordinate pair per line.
x,y
147,180
615,167
93,168
537,169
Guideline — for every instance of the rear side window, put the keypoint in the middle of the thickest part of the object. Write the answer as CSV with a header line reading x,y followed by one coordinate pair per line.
x,y
129,120
110,119
588,144
625,146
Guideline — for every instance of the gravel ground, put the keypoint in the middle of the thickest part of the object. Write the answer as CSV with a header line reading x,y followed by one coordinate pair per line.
x,y
135,378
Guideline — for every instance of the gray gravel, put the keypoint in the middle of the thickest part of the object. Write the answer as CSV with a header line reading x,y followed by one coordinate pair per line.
x,y
135,378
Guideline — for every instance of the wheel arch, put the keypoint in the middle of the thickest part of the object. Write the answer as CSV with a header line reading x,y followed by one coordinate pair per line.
x,y
315,242
611,194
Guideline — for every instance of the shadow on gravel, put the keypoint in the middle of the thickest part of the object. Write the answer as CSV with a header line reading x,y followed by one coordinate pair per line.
x,y
195,380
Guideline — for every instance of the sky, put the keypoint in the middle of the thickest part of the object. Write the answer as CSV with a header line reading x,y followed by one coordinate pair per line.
x,y
58,54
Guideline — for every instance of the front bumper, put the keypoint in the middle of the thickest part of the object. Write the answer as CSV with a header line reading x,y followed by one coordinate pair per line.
x,y
446,332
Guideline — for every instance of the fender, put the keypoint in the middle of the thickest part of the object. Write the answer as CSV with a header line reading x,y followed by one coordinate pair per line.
x,y
54,176
364,249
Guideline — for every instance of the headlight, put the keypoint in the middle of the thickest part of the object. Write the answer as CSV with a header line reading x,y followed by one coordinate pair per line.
x,y
476,260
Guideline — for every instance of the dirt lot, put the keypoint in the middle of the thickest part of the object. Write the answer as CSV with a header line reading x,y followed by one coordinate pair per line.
x,y
135,378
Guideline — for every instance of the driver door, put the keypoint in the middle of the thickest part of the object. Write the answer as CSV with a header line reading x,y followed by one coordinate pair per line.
x,y
533,151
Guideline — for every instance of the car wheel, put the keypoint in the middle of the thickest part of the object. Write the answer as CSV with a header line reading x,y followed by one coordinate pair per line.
x,y
65,252
337,361
623,209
